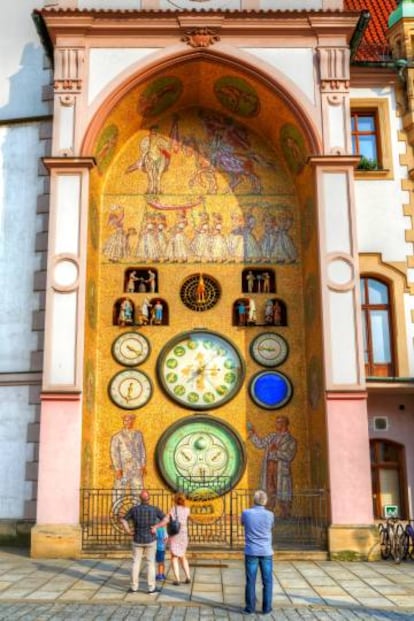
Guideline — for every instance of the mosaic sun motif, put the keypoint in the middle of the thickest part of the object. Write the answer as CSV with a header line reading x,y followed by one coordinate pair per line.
x,y
293,147
105,147
237,95
159,95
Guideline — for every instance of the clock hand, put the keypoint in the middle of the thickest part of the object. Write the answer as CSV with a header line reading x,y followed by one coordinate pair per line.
x,y
133,349
129,392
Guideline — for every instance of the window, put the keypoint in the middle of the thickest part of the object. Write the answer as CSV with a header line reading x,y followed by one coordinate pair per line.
x,y
371,137
365,138
388,480
376,327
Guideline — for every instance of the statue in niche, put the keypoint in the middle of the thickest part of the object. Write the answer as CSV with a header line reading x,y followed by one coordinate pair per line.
x,y
251,312
157,313
132,279
126,312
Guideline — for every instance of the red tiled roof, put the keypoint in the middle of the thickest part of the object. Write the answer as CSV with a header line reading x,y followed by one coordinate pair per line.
x,y
374,44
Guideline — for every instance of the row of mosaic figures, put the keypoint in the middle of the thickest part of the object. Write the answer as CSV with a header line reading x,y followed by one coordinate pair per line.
x,y
253,280
155,311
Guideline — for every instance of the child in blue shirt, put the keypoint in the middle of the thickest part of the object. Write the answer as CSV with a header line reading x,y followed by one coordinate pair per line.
x,y
160,554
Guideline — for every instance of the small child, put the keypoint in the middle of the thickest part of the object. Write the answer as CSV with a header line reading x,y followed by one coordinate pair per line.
x,y
160,554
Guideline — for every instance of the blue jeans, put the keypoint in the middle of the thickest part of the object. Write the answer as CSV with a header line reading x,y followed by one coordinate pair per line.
x,y
251,564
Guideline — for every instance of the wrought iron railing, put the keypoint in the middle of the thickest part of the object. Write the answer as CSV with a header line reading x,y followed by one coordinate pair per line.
x,y
215,519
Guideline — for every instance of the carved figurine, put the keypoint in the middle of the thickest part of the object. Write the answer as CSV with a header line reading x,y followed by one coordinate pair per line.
x,y
126,313
251,312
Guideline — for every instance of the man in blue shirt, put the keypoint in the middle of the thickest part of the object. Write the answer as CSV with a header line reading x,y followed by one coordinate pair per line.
x,y
143,516
258,523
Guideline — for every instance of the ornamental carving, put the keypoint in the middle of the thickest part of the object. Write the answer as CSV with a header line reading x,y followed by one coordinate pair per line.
x,y
200,37
68,69
334,68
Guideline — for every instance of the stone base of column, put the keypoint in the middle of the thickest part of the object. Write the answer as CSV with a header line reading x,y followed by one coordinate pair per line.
x,y
56,541
353,543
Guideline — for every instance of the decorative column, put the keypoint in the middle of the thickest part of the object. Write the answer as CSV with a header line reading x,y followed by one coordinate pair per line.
x,y
57,531
351,533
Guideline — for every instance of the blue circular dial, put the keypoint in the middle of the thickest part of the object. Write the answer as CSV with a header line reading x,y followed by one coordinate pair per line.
x,y
270,389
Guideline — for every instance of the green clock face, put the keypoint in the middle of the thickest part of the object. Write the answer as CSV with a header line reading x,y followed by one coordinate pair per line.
x,y
201,455
200,370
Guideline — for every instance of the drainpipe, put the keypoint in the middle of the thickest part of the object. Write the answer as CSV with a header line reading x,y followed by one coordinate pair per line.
x,y
358,33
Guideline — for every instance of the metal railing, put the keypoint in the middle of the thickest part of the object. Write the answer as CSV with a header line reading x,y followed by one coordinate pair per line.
x,y
214,523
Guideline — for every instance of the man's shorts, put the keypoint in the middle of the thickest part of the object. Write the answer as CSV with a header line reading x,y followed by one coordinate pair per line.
x,y
160,556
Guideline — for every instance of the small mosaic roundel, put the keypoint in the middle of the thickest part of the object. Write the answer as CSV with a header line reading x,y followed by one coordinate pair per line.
x,y
200,292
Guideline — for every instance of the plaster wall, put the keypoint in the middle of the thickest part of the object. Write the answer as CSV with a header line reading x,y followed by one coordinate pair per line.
x,y
400,429
409,313
349,461
22,58
105,64
381,224
15,452
19,187
295,64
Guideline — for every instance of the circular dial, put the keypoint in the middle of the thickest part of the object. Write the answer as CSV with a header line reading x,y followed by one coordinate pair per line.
x,y
200,370
201,455
131,349
130,389
270,389
200,292
269,349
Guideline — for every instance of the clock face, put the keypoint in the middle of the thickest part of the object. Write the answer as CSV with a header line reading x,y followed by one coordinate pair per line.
x,y
269,349
270,389
131,349
130,389
200,370
202,456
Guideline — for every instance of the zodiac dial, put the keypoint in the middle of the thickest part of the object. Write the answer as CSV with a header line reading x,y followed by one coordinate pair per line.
x,y
201,453
130,389
200,370
269,349
130,349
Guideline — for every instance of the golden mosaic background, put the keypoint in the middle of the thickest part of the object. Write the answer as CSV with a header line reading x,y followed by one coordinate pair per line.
x,y
201,112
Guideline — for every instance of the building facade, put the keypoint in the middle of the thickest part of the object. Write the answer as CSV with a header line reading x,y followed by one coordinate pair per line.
x,y
217,289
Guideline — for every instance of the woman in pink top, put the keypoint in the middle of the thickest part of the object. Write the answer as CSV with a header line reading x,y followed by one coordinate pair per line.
x,y
179,542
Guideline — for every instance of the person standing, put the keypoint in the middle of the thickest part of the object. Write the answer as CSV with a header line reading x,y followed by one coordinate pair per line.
x,y
258,523
178,542
143,516
160,555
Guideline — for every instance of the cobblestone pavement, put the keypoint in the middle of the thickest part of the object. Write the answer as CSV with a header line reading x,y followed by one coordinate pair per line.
x,y
86,589
113,612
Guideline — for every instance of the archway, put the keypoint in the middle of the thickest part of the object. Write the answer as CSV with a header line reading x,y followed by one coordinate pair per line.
x,y
201,171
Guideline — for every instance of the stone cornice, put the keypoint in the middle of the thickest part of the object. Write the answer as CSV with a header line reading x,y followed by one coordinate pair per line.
x,y
144,24
68,162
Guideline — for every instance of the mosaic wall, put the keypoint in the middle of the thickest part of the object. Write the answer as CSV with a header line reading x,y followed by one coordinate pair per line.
x,y
197,225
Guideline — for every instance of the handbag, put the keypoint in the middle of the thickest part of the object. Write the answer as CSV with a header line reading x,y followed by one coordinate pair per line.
x,y
173,526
